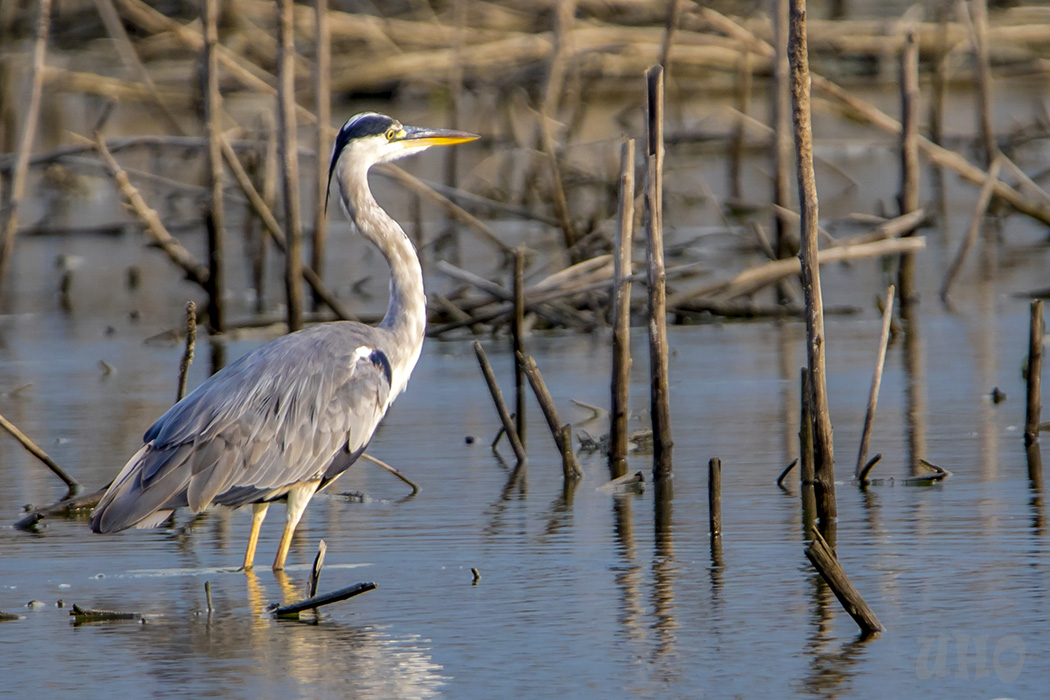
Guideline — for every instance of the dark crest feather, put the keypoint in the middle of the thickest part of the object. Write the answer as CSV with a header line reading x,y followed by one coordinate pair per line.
x,y
357,126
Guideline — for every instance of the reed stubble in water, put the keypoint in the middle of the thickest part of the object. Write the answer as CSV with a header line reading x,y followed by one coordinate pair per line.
x,y
518,341
287,141
823,558
876,382
908,197
562,438
621,316
823,453
659,389
714,496
501,407
1033,399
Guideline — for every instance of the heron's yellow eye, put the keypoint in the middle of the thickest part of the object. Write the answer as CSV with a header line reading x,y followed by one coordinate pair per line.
x,y
391,133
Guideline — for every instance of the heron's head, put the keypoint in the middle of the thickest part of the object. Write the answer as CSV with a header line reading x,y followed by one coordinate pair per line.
x,y
369,138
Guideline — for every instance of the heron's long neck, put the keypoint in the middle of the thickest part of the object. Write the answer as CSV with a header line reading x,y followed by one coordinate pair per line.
x,y
406,312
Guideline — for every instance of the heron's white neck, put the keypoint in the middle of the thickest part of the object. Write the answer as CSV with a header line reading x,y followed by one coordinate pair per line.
x,y
406,312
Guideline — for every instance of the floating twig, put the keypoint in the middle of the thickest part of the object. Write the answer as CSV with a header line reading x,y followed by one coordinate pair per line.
x,y
292,610
80,615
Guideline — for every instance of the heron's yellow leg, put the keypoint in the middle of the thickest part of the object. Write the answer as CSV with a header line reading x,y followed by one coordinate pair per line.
x,y
258,515
298,498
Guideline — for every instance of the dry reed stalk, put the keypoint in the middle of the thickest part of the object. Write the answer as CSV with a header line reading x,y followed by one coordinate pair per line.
x,y
865,110
265,214
115,29
153,227
289,156
908,198
621,315
983,200
978,27
323,105
564,15
550,412
518,340
386,467
783,156
501,407
876,381
1033,398
824,458
714,496
807,477
823,558
737,139
25,144
659,393
187,353
213,125
32,448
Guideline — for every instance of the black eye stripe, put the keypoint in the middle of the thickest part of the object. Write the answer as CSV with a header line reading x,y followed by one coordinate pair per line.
x,y
358,126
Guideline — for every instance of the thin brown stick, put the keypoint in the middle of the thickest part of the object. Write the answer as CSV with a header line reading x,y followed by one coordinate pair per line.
x,y
550,412
1033,397
518,341
323,105
737,140
983,199
187,354
714,496
827,565
876,381
25,145
621,314
780,103
213,125
501,407
293,610
659,394
265,214
315,570
824,459
153,226
806,474
908,198
862,475
290,163
383,465
115,29
72,484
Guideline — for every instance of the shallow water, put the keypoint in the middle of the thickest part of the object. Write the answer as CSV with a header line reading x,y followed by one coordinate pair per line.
x,y
583,593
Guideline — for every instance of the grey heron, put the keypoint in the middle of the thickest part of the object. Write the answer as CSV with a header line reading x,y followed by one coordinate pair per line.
x,y
286,419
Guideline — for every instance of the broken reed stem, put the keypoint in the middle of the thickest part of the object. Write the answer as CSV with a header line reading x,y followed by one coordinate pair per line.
x,y
862,475
1033,402
659,395
807,478
827,565
824,459
787,470
983,77
315,570
187,354
214,215
908,198
570,468
71,484
383,465
876,381
550,412
517,341
743,106
194,271
983,199
780,103
501,407
289,161
25,145
714,496
265,214
621,315
323,105
207,596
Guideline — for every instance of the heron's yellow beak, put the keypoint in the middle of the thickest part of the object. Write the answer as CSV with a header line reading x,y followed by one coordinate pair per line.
x,y
417,137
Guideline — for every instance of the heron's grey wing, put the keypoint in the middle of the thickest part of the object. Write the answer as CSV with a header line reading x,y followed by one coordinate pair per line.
x,y
274,417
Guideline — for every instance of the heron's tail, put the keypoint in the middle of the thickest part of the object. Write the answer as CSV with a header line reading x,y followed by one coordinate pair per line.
x,y
149,483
